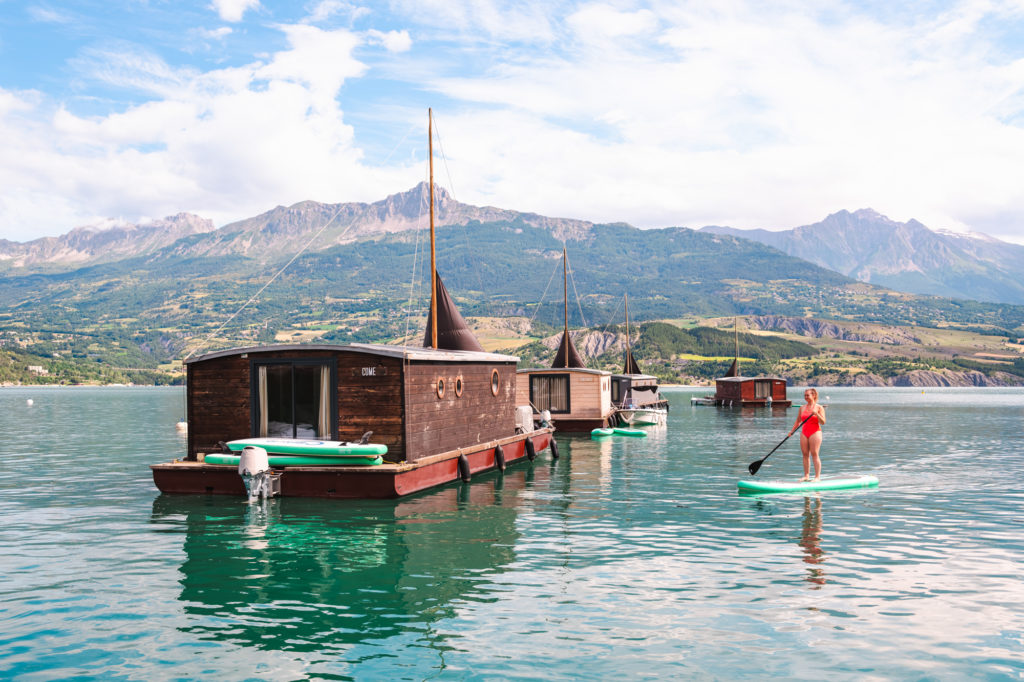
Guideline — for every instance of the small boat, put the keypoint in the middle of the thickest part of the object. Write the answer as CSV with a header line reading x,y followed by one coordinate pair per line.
x,y
703,400
636,395
643,416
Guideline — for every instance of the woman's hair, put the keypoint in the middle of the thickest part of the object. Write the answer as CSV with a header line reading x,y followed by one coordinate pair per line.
x,y
812,391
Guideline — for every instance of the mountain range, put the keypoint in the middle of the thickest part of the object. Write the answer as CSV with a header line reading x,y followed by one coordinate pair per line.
x,y
863,245
870,247
352,270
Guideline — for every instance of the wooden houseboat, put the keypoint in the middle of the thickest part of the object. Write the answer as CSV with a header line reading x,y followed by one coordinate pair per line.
x,y
578,398
444,411
635,395
751,391
430,407
734,390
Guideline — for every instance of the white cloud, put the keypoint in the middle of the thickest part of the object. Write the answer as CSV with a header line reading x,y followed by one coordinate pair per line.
x,y
225,144
216,33
234,10
603,21
325,9
753,117
656,113
393,41
48,15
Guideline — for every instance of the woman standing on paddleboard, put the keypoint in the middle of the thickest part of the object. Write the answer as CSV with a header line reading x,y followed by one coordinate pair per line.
x,y
810,433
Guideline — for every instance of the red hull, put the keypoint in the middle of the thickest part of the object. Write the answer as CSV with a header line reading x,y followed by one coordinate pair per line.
x,y
371,482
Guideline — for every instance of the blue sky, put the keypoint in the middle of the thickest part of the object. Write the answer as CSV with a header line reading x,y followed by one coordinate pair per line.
x,y
733,112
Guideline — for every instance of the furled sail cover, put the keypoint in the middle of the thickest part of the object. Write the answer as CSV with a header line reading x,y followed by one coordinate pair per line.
x,y
734,371
631,365
567,355
452,331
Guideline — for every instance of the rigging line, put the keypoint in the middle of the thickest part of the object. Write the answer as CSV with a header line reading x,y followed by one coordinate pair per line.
x,y
544,295
609,323
579,305
271,280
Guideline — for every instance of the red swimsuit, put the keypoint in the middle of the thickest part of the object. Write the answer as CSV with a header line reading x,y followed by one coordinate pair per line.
x,y
811,426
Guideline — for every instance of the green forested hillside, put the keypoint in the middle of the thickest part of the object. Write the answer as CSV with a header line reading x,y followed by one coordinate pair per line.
x,y
143,312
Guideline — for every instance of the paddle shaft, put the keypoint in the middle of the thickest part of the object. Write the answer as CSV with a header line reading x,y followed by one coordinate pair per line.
x,y
754,466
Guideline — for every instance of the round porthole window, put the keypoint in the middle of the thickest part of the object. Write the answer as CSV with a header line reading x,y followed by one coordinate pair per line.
x,y
495,382
440,388
458,387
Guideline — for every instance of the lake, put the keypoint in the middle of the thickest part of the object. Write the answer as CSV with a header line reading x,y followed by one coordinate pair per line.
x,y
624,558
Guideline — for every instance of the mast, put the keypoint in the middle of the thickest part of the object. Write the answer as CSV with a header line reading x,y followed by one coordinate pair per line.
x,y
565,287
627,335
433,262
736,331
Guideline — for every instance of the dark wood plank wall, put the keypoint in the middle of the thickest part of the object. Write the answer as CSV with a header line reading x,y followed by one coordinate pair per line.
x,y
435,425
220,390
372,401
218,403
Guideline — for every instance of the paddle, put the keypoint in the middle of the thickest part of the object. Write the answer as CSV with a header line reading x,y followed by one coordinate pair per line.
x,y
754,466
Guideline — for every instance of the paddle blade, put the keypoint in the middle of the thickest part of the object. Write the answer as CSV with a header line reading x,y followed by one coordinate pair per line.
x,y
754,466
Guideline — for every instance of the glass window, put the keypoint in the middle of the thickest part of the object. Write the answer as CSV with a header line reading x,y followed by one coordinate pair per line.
x,y
550,392
294,399
762,389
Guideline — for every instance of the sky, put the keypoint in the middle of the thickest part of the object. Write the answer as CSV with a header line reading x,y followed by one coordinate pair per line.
x,y
747,113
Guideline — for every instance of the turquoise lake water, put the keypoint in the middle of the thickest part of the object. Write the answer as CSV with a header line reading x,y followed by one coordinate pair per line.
x,y
627,558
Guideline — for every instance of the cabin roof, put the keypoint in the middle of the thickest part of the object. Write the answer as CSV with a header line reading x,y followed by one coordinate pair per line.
x,y
748,379
414,353
634,377
563,370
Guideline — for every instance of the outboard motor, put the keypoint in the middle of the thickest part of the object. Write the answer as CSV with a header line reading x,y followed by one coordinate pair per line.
x,y
259,478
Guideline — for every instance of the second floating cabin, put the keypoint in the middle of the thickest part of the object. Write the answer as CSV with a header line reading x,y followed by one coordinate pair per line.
x,y
750,391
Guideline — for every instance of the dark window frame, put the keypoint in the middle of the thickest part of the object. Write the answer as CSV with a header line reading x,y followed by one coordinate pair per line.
x,y
568,391
254,390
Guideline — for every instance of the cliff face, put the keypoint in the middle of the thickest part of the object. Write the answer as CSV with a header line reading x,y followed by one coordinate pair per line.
x,y
820,329
922,379
103,243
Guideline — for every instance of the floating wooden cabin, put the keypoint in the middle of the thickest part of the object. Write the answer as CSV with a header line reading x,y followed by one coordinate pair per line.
x,y
747,391
740,391
578,398
445,411
428,406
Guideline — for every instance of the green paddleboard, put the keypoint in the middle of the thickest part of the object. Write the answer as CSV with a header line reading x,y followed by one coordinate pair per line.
x,y
601,433
752,486
636,433
309,448
299,461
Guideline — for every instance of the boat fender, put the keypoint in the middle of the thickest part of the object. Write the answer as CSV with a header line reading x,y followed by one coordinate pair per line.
x,y
531,452
499,458
554,449
464,468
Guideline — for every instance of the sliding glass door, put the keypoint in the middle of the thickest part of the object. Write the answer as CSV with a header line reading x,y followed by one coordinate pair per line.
x,y
294,399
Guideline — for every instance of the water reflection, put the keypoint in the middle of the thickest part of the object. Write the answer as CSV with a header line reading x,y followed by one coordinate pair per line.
x,y
810,541
309,575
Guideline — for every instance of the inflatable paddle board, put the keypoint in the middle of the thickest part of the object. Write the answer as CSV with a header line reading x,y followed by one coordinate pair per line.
x,y
298,461
601,433
637,433
751,486
309,448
